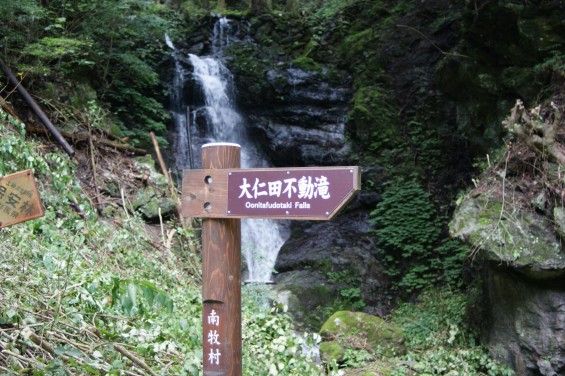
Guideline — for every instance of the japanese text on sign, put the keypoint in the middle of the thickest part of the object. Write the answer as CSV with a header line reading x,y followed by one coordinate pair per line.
x,y
305,192
306,187
213,338
19,200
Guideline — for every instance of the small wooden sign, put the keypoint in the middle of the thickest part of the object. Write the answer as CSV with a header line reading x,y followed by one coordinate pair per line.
x,y
311,193
19,199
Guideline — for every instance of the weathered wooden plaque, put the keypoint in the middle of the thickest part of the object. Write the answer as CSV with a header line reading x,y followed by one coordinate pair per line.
x,y
19,199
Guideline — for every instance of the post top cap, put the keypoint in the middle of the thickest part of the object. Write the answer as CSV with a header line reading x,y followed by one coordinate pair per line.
x,y
221,144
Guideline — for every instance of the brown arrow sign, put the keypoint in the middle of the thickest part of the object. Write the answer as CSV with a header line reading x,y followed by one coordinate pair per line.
x,y
315,193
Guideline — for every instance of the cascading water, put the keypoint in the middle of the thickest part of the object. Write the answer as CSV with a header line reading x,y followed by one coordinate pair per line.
x,y
261,238
181,141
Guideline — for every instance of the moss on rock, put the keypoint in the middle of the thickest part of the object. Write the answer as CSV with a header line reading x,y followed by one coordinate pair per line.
x,y
346,330
519,238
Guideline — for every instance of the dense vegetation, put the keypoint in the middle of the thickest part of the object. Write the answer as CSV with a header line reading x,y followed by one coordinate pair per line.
x,y
81,295
81,54
84,295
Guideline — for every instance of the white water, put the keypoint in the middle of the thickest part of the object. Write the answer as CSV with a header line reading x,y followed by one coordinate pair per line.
x,y
261,238
181,143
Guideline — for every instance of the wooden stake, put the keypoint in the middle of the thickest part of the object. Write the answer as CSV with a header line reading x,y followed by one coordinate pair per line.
x,y
163,166
221,280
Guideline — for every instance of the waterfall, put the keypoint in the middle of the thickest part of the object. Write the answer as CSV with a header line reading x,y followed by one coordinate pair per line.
x,y
181,141
261,238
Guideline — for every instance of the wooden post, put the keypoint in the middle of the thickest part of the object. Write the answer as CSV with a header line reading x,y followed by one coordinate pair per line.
x,y
221,280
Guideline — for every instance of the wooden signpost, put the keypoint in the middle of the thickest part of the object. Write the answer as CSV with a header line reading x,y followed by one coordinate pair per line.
x,y
19,200
222,193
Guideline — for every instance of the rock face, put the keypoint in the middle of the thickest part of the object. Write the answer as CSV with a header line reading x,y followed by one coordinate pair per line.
x,y
457,71
307,124
330,264
297,115
513,222
526,323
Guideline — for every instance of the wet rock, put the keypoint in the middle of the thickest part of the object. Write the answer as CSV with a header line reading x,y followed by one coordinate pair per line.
x,y
307,124
303,292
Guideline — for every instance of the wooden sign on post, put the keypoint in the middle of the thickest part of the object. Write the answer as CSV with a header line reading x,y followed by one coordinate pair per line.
x,y
19,200
221,193
312,193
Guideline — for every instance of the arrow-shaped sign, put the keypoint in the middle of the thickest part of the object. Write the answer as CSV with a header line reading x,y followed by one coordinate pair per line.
x,y
315,193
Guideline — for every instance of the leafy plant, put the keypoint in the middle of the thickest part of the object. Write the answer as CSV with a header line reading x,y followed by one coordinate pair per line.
x,y
84,296
410,234
438,338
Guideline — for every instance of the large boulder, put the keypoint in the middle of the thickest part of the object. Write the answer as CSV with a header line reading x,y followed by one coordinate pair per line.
x,y
357,330
522,240
526,323
513,220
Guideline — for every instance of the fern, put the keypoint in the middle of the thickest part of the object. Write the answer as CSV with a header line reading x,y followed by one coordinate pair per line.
x,y
410,234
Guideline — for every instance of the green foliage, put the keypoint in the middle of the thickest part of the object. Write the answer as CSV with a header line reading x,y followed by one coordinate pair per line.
x,y
410,234
319,15
438,340
356,358
86,286
271,347
67,53
20,22
195,10
139,297
113,46
426,147
374,118
554,63
350,298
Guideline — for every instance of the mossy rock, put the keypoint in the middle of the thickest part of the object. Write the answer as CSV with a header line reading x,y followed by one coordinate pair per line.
x,y
519,238
147,164
345,329
304,291
148,202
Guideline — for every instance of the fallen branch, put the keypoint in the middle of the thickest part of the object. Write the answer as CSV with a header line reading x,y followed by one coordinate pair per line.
x,y
39,341
38,111
134,359
9,109
93,166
